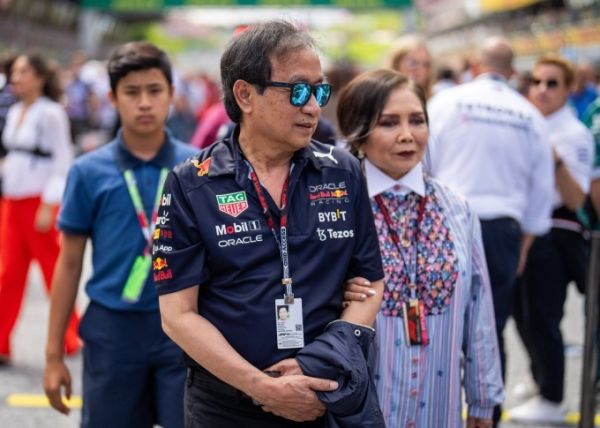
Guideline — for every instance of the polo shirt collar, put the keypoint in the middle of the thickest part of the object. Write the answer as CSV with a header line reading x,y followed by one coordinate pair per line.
x,y
227,158
379,182
165,158
492,76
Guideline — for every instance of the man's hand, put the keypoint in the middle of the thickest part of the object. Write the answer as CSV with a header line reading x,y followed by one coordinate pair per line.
x,y
57,377
293,397
358,289
286,367
473,422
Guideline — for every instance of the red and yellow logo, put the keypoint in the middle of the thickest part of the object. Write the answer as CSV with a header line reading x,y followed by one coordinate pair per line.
x,y
203,167
159,264
338,193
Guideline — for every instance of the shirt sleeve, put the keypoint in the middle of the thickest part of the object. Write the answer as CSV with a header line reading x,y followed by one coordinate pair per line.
x,y
579,157
76,212
55,130
178,252
366,259
538,211
483,376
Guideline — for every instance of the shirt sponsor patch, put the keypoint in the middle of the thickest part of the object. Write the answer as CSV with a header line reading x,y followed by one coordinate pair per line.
x,y
331,216
163,233
203,167
233,204
237,227
325,234
245,240
165,200
328,193
159,263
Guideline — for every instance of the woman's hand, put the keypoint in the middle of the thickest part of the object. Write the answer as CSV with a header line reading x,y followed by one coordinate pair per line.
x,y
357,289
44,218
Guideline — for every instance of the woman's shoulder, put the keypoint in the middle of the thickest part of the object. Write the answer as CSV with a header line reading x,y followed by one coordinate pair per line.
x,y
46,106
450,198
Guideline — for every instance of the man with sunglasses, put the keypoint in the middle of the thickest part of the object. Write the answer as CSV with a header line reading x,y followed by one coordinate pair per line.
x,y
489,143
560,256
263,219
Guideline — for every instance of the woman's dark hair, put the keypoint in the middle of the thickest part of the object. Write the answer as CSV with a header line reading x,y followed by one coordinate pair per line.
x,y
248,57
47,71
137,56
362,101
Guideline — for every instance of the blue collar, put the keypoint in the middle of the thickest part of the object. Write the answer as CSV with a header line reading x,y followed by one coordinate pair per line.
x,y
165,157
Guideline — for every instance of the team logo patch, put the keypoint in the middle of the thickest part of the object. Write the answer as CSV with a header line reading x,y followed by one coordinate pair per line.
x,y
159,263
203,166
233,204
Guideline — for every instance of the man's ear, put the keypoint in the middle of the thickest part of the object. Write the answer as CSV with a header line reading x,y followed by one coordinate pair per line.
x,y
112,97
244,93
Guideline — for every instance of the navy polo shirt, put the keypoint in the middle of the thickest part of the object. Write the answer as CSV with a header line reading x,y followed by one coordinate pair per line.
x,y
213,234
96,203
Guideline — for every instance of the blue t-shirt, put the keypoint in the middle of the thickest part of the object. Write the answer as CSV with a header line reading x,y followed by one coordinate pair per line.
x,y
216,236
96,203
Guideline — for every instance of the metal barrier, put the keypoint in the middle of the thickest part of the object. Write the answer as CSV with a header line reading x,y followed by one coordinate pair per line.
x,y
590,352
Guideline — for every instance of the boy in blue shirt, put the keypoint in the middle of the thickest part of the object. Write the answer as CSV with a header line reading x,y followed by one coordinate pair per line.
x,y
132,372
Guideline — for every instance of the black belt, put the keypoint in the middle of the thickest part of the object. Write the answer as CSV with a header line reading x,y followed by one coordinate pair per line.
x,y
203,379
34,152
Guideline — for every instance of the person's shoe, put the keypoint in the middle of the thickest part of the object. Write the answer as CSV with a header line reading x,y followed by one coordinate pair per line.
x,y
525,390
540,410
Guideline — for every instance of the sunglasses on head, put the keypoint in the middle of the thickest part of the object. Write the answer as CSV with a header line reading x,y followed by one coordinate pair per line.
x,y
550,83
300,92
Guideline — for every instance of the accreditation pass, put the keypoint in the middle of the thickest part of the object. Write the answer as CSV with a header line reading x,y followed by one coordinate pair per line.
x,y
289,324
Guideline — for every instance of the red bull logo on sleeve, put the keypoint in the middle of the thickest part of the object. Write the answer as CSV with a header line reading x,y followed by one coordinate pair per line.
x,y
203,167
159,263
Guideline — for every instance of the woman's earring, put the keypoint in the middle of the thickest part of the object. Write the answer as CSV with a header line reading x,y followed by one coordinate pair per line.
x,y
360,154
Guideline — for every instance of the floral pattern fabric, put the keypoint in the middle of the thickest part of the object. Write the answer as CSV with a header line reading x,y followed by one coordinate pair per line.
x,y
436,259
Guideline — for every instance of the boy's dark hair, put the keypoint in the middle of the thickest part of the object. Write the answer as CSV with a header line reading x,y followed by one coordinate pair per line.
x,y
136,56
248,57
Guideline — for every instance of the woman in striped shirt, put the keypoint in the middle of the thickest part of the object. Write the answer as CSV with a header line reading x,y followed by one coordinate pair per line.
x,y
437,312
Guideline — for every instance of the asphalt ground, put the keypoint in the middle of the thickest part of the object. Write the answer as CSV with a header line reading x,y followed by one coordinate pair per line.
x,y
22,404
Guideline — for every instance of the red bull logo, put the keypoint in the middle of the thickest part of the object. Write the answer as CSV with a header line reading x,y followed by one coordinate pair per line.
x,y
159,264
203,167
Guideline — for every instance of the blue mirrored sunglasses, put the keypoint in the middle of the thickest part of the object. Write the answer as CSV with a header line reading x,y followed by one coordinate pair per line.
x,y
300,92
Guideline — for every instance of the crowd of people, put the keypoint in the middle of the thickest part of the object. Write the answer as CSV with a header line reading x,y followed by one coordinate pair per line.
x,y
309,248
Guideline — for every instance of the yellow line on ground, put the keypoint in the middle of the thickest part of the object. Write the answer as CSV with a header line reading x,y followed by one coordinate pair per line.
x,y
39,401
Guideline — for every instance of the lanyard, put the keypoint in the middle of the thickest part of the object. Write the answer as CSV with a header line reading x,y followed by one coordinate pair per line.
x,y
282,241
146,226
403,244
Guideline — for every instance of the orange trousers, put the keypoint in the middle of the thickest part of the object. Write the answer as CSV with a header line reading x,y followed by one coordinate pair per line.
x,y
20,243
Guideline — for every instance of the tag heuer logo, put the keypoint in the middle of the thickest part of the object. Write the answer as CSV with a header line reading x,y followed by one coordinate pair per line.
x,y
233,204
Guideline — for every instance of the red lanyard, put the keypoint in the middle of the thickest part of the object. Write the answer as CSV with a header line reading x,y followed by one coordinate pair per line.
x,y
405,243
282,241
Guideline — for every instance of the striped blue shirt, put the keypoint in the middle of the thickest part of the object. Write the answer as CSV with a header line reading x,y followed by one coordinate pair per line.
x,y
420,386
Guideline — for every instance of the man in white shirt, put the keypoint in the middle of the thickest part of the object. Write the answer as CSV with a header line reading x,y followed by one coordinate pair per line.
x,y
560,256
489,143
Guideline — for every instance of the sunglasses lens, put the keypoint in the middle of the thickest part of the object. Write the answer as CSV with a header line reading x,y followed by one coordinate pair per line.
x,y
300,94
322,93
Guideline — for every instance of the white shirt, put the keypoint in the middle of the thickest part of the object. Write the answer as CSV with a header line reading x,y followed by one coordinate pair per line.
x,y
45,126
574,144
379,182
490,144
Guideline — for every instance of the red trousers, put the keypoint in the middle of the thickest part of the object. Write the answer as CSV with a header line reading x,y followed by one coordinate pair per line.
x,y
20,243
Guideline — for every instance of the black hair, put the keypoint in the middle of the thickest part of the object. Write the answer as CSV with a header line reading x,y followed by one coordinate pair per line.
x,y
363,99
248,57
137,56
